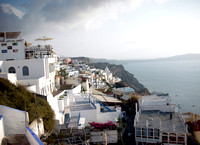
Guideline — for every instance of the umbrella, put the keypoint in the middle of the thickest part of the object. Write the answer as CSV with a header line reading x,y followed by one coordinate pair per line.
x,y
44,38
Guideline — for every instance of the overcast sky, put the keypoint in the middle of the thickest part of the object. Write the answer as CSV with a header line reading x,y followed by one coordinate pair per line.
x,y
113,29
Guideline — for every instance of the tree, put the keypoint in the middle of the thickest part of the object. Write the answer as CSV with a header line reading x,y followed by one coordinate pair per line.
x,y
130,103
63,73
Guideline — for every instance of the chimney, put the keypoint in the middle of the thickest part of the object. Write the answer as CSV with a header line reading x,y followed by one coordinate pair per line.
x,y
137,119
147,123
174,127
160,122
170,115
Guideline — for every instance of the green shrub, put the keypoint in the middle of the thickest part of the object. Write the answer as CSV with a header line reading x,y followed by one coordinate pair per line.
x,y
17,96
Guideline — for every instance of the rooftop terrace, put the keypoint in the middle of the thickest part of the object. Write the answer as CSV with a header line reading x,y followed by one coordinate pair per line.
x,y
155,119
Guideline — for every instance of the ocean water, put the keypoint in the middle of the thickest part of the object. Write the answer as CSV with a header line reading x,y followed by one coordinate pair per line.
x,y
181,79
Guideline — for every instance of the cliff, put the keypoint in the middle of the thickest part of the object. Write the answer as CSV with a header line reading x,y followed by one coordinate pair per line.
x,y
119,71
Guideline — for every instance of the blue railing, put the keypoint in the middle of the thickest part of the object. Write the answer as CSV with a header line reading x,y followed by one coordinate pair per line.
x,y
93,105
106,107
34,136
79,116
68,120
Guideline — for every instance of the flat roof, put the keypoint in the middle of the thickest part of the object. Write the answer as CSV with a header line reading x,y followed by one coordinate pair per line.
x,y
155,100
105,99
126,89
12,108
167,124
80,103
10,35
83,107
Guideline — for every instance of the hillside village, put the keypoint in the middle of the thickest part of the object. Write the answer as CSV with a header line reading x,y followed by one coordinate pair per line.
x,y
91,106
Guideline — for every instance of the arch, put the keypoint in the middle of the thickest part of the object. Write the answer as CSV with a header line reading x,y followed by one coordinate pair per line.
x,y
11,70
25,71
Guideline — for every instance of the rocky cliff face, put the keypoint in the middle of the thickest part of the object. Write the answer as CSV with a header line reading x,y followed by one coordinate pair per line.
x,y
119,71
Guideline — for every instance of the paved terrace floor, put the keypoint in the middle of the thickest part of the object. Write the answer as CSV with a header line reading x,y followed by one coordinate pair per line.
x,y
81,103
18,139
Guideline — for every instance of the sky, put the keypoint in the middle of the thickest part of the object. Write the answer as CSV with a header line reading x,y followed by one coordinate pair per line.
x,y
112,29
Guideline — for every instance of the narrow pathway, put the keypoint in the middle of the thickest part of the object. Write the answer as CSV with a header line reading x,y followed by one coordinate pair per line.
x,y
129,133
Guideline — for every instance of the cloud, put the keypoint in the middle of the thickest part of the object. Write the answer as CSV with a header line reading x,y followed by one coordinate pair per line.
x,y
88,13
8,9
48,15
161,1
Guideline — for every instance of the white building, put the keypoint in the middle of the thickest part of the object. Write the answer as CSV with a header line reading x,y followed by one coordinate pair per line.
x,y
158,121
14,127
34,65
108,75
80,109
12,46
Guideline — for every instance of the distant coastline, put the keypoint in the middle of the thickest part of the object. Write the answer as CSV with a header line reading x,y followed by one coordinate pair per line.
x,y
181,79
118,71
173,58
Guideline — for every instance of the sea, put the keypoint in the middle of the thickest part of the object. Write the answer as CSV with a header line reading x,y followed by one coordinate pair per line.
x,y
181,79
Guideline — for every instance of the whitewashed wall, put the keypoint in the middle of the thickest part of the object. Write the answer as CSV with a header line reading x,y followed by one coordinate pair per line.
x,y
14,120
31,88
89,115
36,68
32,137
107,116
10,54
1,129
43,86
34,127
61,105
9,76
158,107
57,82
40,83
112,136
53,102
1,64
77,89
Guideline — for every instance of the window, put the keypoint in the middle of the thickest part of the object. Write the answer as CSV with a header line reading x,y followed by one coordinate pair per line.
x,y
156,133
4,51
150,133
164,137
25,71
3,44
172,138
11,70
181,138
144,132
15,50
14,44
9,47
138,132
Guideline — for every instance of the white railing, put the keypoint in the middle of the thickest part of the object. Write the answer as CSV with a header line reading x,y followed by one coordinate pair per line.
x,y
148,140
182,120
159,107
39,47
